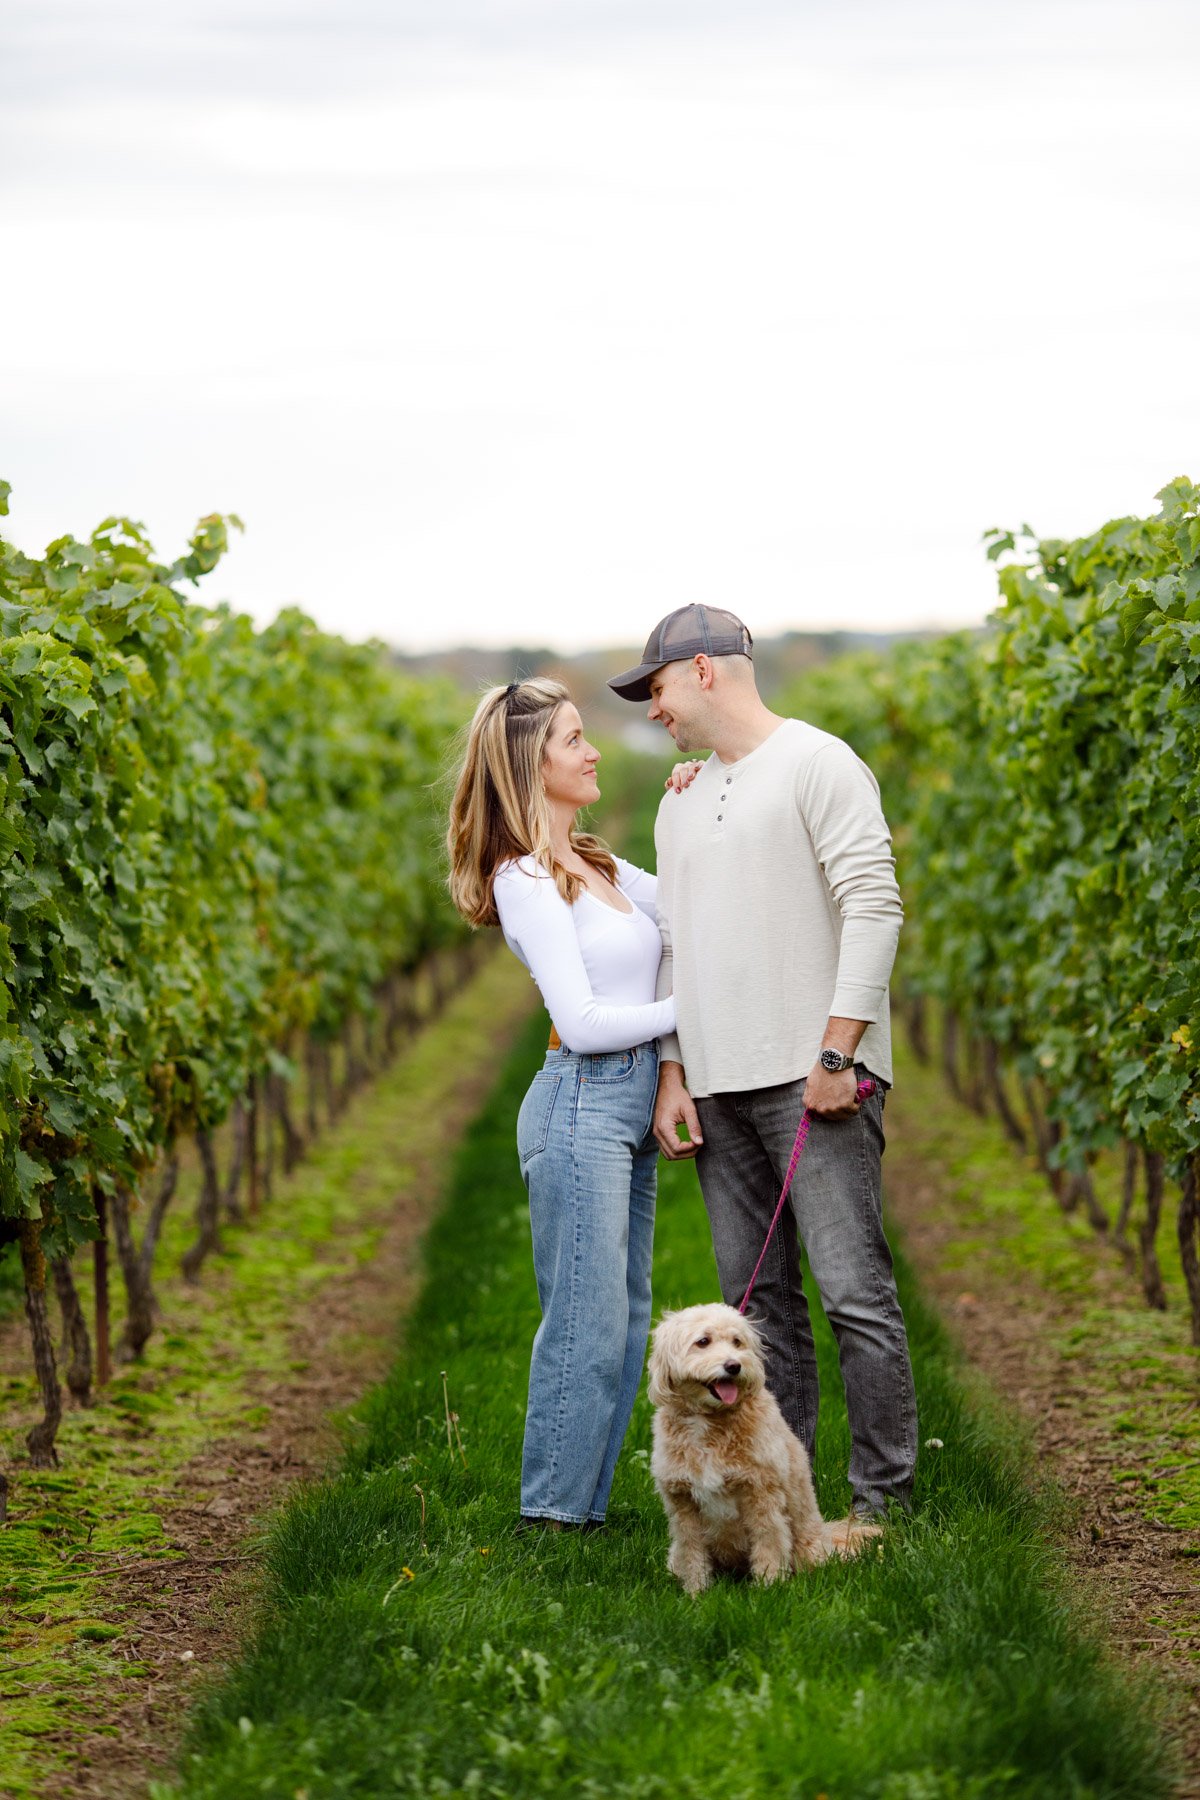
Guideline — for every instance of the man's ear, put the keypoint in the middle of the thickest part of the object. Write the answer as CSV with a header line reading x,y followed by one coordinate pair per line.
x,y
703,666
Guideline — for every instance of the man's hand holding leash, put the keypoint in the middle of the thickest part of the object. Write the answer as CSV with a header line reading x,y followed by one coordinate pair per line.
x,y
832,1096
831,1090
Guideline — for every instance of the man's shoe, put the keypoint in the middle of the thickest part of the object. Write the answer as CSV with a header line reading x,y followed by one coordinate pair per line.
x,y
863,1513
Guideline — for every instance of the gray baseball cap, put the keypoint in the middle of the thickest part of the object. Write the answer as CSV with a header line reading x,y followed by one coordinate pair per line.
x,y
689,631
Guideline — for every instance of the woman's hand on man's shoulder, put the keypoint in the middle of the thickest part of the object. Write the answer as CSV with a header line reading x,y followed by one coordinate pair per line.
x,y
682,776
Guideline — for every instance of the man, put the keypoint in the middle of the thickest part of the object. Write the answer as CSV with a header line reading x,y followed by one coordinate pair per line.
x,y
779,914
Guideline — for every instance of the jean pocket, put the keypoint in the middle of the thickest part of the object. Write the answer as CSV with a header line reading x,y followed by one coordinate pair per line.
x,y
617,1066
533,1120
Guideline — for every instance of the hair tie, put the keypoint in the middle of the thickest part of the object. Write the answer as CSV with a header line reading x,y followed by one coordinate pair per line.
x,y
510,690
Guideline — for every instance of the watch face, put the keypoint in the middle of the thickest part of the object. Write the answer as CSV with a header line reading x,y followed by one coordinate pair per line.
x,y
833,1060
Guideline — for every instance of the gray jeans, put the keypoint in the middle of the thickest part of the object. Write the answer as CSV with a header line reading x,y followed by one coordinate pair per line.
x,y
836,1205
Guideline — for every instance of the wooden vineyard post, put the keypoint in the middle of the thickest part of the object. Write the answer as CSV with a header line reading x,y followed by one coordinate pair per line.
x,y
139,1314
917,1019
268,1125
293,1142
158,1212
312,1076
100,1289
1152,1281
1013,1128
1129,1183
391,1013
1189,1227
1129,1175
75,1332
252,1145
1084,1188
327,1081
950,1051
237,1157
40,1439
208,1208
975,1087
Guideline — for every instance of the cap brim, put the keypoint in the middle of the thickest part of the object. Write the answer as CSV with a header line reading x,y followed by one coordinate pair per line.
x,y
635,683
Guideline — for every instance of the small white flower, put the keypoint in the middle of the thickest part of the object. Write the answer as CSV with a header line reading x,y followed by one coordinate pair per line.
x,y
934,1444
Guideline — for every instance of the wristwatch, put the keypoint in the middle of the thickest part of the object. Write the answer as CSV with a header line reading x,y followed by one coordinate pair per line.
x,y
835,1062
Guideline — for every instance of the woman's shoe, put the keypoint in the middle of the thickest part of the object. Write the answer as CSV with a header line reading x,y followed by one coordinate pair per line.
x,y
533,1522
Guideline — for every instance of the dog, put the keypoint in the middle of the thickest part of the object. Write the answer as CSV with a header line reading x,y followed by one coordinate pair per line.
x,y
733,1477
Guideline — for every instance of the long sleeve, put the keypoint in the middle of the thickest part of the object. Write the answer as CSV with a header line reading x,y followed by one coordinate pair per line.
x,y
639,887
668,1049
839,804
537,922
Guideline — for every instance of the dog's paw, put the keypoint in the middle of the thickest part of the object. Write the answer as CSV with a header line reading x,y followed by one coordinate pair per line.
x,y
693,1573
848,1537
695,1577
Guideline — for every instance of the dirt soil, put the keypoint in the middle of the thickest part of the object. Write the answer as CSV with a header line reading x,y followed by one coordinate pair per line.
x,y
1142,1573
188,1617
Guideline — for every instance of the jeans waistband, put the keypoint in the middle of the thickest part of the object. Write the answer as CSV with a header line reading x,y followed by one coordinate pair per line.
x,y
639,1052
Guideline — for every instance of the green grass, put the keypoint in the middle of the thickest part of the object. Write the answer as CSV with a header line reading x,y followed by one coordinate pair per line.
x,y
63,1621
409,1644
1011,1236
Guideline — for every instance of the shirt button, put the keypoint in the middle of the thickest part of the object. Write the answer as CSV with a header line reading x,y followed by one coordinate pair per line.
x,y
728,780
720,816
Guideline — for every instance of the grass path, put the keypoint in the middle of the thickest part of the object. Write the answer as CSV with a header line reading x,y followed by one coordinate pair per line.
x,y
407,1643
1054,1315
122,1561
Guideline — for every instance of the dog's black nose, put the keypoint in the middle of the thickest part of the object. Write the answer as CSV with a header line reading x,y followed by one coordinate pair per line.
x,y
733,1368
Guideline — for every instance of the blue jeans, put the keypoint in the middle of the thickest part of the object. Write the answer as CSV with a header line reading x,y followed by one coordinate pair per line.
x,y
589,1161
836,1209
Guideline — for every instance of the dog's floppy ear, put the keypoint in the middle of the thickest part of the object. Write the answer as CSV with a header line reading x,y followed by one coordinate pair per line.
x,y
751,1329
661,1385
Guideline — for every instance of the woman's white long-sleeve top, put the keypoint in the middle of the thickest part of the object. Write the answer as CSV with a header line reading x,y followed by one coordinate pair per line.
x,y
596,967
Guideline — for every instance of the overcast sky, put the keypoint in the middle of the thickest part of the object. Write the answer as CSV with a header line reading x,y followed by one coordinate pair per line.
x,y
532,319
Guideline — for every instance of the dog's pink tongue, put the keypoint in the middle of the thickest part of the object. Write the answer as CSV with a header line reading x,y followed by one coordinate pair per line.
x,y
726,1392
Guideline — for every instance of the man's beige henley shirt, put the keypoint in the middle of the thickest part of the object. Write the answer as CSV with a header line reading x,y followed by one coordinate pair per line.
x,y
778,907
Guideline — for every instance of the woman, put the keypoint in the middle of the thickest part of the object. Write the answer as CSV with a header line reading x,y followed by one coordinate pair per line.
x,y
583,923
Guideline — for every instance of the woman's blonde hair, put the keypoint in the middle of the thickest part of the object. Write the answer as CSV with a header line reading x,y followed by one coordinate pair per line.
x,y
499,810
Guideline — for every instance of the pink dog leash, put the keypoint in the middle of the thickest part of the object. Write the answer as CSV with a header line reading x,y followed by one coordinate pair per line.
x,y
864,1088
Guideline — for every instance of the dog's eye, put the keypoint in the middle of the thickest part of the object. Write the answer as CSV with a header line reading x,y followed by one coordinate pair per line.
x,y
702,1343
737,1343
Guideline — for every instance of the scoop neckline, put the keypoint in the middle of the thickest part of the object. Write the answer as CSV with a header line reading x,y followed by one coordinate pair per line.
x,y
596,901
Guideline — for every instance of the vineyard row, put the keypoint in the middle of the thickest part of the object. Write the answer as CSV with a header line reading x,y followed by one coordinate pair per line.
x,y
1043,781
220,860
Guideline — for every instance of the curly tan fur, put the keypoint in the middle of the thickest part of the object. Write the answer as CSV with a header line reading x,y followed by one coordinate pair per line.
x,y
733,1477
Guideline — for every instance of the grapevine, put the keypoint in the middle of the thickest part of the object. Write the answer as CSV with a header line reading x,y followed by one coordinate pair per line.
x,y
1043,781
219,853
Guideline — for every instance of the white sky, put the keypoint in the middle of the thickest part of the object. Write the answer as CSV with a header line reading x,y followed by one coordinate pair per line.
x,y
532,319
